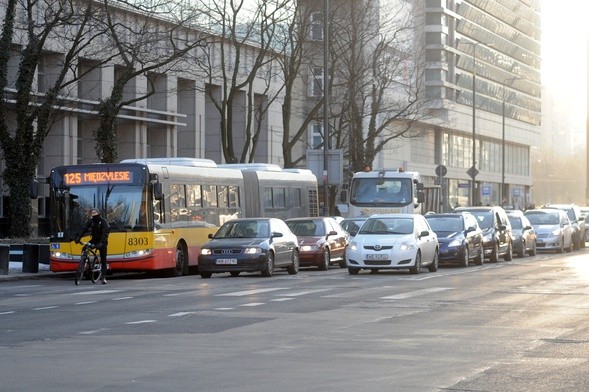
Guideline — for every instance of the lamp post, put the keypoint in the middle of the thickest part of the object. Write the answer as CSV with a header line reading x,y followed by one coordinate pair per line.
x,y
473,169
325,109
503,196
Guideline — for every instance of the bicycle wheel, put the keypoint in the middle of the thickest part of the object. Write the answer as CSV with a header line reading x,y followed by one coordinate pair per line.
x,y
96,270
80,270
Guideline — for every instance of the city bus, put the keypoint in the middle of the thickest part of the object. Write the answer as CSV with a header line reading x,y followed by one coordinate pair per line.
x,y
384,192
161,211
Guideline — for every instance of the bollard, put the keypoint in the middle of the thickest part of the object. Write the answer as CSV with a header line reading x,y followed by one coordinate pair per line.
x,y
30,258
4,259
44,254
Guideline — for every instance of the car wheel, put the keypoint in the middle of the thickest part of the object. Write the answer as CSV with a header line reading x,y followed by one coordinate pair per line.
x,y
293,269
417,269
374,270
508,256
480,259
269,270
433,267
533,251
205,275
325,259
181,262
342,263
465,258
234,273
522,252
495,254
576,243
561,248
353,271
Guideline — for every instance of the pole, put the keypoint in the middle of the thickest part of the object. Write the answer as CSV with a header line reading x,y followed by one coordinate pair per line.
x,y
474,142
325,109
503,148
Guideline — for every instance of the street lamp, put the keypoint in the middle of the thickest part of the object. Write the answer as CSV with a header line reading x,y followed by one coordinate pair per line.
x,y
472,172
503,196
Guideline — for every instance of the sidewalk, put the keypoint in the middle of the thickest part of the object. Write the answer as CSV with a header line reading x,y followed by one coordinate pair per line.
x,y
15,272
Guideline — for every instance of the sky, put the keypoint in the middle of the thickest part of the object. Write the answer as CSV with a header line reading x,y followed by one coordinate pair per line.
x,y
564,53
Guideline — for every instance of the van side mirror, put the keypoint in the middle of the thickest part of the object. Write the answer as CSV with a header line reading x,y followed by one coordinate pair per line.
x,y
158,191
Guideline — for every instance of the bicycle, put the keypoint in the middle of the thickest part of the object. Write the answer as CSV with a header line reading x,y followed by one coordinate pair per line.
x,y
89,265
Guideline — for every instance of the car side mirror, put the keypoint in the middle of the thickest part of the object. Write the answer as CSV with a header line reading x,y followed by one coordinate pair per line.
x,y
332,232
275,234
210,235
424,233
469,229
502,227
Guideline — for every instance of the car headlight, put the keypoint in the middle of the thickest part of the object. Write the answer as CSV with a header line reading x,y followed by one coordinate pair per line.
x,y
308,248
407,246
555,233
252,251
205,251
488,237
353,246
454,243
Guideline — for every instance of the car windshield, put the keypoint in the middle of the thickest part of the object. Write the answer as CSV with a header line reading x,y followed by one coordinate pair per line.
x,y
543,218
387,226
446,224
516,223
244,229
351,226
307,228
485,218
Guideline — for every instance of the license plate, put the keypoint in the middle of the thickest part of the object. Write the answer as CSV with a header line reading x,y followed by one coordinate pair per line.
x,y
379,256
226,261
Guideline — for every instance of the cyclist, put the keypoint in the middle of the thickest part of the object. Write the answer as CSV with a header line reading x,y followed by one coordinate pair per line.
x,y
98,228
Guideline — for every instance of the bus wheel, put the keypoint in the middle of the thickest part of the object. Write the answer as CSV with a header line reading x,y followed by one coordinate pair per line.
x,y
181,263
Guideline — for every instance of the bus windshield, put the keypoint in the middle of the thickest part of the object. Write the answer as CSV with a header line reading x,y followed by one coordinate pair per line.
x,y
382,191
124,206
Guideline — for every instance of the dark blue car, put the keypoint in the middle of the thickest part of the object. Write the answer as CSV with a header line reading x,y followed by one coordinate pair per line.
x,y
459,236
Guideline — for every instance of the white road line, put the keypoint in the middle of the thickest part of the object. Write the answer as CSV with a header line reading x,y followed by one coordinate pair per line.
x,y
180,314
9,312
416,293
224,309
141,322
281,299
121,298
251,304
298,293
45,308
250,292
85,303
96,292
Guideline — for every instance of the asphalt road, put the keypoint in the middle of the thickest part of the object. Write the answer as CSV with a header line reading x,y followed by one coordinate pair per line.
x,y
511,326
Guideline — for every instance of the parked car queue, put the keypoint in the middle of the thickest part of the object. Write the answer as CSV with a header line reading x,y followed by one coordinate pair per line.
x,y
389,241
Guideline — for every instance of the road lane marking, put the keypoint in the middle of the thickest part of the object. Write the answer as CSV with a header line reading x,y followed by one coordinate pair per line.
x,y
141,322
298,293
224,309
281,299
9,312
85,303
121,298
417,293
180,314
45,307
251,304
250,292
96,292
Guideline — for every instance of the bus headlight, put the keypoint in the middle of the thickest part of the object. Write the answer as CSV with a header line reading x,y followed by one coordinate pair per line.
x,y
138,253
62,256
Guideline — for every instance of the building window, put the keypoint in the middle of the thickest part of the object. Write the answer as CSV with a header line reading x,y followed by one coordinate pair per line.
x,y
316,26
317,82
317,136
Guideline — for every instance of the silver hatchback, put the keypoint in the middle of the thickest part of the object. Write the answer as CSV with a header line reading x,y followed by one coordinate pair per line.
x,y
553,229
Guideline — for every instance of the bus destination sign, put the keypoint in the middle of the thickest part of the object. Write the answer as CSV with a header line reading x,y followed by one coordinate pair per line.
x,y
98,177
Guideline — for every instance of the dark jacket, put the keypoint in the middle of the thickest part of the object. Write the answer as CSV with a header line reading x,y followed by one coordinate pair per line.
x,y
98,229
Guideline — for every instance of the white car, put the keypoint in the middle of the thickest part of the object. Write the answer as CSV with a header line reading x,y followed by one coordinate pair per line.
x,y
393,241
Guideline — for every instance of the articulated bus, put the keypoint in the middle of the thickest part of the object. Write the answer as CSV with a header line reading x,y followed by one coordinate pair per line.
x,y
161,211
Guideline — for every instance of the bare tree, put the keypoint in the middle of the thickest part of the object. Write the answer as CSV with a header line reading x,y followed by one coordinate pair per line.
x,y
148,39
378,78
239,59
66,22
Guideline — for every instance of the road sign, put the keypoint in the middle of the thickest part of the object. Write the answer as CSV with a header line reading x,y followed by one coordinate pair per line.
x,y
472,172
441,170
